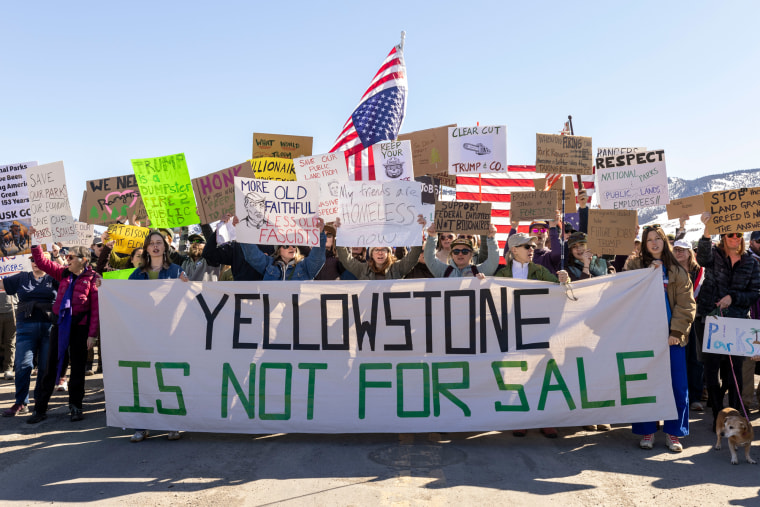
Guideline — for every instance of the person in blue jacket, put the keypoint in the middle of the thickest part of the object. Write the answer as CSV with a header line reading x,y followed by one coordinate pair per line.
x,y
287,263
155,260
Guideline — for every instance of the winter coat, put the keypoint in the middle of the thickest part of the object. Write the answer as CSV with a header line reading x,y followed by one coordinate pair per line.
x,y
439,268
362,270
597,267
173,271
332,268
307,269
84,299
231,254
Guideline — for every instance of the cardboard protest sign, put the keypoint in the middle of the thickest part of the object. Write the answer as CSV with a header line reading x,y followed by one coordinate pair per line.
x,y
570,204
613,152
379,214
737,337
166,190
119,274
463,217
374,356
274,169
558,154
85,235
281,146
537,205
49,204
430,149
694,205
632,181
215,192
277,212
329,170
15,213
733,210
14,264
611,232
479,149
430,188
127,237
106,199
393,160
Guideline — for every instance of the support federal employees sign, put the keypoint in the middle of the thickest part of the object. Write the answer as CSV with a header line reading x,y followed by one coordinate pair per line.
x,y
387,356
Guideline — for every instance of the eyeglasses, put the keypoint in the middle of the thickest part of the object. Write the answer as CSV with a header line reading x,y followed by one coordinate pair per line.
x,y
461,251
196,241
734,235
447,236
70,257
529,246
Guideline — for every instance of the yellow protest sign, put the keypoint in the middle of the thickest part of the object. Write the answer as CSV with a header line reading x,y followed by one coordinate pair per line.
x,y
270,168
127,237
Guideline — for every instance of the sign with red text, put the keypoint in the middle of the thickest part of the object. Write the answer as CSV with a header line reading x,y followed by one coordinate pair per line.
x,y
632,181
477,150
393,161
107,199
215,193
330,171
49,204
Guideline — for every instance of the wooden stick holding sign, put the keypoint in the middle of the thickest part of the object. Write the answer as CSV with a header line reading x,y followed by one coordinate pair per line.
x,y
463,217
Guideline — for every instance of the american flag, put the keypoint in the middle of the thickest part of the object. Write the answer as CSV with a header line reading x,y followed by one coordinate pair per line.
x,y
496,189
378,117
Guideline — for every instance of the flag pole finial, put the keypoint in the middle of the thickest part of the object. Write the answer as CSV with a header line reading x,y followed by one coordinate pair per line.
x,y
403,36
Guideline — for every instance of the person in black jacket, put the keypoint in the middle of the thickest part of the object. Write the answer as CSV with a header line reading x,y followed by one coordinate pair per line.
x,y
231,253
731,287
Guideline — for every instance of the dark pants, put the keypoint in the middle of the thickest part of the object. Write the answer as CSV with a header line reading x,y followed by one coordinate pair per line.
x,y
77,360
695,371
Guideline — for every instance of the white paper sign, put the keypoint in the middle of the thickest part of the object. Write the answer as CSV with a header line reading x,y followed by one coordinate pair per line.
x,y
15,217
480,149
49,204
275,212
632,181
14,264
393,160
85,235
737,337
329,170
380,214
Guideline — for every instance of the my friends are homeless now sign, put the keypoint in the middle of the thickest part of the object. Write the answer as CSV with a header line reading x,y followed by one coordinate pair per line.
x,y
454,354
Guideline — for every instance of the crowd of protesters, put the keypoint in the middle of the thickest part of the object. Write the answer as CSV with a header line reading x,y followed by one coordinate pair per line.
x,y
52,311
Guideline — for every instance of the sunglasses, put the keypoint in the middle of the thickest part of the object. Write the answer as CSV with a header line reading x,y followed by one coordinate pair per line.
x,y
734,235
540,230
465,236
461,251
197,241
529,246
447,236
653,226
289,246
70,257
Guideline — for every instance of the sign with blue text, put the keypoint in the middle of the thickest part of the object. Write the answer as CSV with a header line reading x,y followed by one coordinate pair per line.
x,y
737,337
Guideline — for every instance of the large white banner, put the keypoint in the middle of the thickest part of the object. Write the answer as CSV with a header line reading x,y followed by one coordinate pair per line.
x,y
456,354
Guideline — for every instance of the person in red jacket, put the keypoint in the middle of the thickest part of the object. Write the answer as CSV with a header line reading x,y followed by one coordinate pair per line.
x,y
75,326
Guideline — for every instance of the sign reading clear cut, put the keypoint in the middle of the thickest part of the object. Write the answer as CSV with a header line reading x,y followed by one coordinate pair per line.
x,y
479,149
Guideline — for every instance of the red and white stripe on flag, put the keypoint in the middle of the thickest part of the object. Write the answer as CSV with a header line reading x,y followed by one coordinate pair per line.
x,y
496,189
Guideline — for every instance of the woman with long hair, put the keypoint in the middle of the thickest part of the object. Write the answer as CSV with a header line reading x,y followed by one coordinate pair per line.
x,y
680,309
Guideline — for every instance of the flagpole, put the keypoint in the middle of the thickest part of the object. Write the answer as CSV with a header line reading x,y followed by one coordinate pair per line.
x,y
403,36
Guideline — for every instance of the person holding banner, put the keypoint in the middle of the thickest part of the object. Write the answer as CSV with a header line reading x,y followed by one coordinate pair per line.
x,y
582,263
36,293
154,261
461,254
286,263
731,287
681,308
75,326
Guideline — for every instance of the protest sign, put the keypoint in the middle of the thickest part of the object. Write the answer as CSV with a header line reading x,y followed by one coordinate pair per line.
x,y
281,146
537,205
166,190
613,152
14,264
127,237
733,210
15,214
463,217
49,204
558,154
737,337
430,188
275,169
694,205
393,160
119,274
430,149
277,212
479,149
215,193
329,170
107,199
379,214
632,181
85,235
400,356
570,205
611,232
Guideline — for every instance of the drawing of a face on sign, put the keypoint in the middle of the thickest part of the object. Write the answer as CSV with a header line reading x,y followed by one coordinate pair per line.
x,y
255,205
394,167
334,187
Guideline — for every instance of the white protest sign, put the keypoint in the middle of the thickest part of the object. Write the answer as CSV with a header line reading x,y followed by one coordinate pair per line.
x,y
14,264
367,357
393,161
15,216
85,235
49,204
329,170
380,214
480,149
632,181
737,337
613,152
277,212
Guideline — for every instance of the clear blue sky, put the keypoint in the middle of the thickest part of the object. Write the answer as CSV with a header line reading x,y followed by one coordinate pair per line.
x,y
96,84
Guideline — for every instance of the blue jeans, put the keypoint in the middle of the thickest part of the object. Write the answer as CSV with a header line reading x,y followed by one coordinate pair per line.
x,y
31,338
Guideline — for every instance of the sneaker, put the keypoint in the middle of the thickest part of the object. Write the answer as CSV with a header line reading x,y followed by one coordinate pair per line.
x,y
62,386
9,375
89,373
76,414
16,409
603,427
590,427
36,417
173,435
697,406
550,432
139,436
647,441
673,443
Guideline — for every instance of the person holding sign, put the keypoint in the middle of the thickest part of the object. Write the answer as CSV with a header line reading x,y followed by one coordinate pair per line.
x,y
731,287
681,308
75,326
286,263
460,260
582,263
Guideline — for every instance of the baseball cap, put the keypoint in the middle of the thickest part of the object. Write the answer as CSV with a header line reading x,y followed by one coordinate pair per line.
x,y
682,243
519,238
